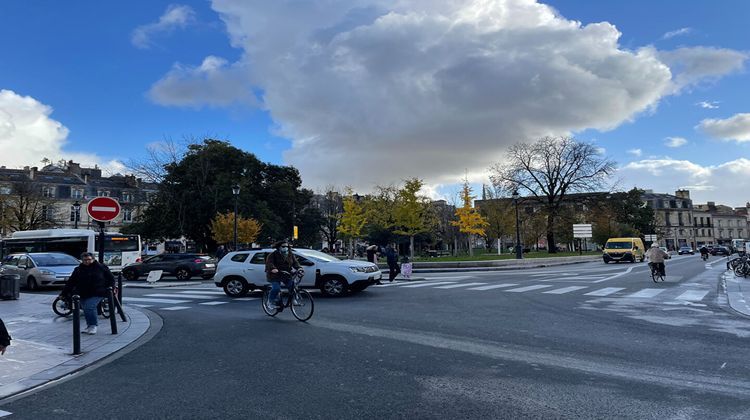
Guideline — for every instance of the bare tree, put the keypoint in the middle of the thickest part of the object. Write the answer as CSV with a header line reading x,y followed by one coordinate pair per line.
x,y
331,208
26,209
160,156
550,169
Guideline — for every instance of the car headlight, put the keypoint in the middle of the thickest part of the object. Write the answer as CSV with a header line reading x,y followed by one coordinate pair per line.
x,y
47,272
358,269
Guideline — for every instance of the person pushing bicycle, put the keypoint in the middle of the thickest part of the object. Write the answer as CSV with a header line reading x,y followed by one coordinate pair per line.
x,y
656,257
280,260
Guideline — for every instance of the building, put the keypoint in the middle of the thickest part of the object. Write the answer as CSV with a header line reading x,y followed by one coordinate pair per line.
x,y
674,218
728,223
56,196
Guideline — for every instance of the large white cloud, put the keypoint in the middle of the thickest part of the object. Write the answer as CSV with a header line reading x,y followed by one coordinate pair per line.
x,y
28,134
376,90
736,127
726,183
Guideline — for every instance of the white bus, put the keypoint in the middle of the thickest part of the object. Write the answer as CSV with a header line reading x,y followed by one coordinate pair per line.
x,y
119,249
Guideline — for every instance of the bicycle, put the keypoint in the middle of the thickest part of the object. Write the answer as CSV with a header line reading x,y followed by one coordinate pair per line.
x,y
300,301
704,256
63,306
656,274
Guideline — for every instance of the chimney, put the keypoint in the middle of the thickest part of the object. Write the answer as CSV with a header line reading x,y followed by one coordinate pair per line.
x,y
74,168
684,194
32,172
85,178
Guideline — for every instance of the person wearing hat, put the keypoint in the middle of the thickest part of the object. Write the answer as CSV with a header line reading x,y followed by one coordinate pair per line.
x,y
281,259
656,257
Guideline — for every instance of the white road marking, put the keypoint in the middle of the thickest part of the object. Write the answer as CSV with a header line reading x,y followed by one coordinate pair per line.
x,y
245,299
150,300
616,275
212,303
184,296
5,413
141,306
427,284
693,295
493,286
645,293
175,308
448,278
528,288
453,286
207,292
400,283
565,290
604,292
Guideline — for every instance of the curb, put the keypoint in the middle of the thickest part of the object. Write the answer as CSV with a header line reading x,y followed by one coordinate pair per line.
x,y
733,286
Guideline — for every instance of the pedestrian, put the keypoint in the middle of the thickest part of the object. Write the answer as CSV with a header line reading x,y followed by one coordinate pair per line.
x,y
90,281
391,256
4,337
220,252
372,253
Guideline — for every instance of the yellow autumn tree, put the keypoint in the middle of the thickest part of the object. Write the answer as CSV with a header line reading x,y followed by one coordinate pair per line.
x,y
352,220
469,220
222,229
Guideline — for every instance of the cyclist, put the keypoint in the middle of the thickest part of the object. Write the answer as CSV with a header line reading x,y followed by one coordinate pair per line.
x,y
656,257
704,252
281,259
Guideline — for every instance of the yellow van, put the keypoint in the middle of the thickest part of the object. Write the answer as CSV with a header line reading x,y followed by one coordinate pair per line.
x,y
624,249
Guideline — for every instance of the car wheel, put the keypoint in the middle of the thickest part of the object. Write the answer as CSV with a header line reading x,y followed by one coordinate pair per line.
x,y
606,261
130,275
31,283
235,287
333,286
182,273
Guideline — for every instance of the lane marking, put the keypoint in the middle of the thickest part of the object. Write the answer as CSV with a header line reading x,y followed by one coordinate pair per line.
x,y
493,286
186,296
212,303
427,284
459,285
565,290
528,288
604,292
693,295
645,293
175,308
208,292
448,278
245,299
141,305
617,275
152,300
5,413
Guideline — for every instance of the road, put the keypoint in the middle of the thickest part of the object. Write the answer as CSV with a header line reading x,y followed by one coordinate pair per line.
x,y
580,341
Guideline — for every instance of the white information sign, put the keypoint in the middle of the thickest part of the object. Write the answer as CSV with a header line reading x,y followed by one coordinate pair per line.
x,y
582,231
154,276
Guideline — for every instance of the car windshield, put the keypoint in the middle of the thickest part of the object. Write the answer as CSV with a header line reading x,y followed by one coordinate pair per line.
x,y
51,260
317,255
619,245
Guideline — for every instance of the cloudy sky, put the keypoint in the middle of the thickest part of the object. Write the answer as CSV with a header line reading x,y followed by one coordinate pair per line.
x,y
366,92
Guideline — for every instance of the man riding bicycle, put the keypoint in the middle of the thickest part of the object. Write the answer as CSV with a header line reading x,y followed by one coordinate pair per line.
x,y
704,252
280,260
656,257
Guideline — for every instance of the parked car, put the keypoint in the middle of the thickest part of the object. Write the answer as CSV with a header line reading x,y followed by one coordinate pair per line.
x,y
182,266
720,250
242,271
40,269
685,250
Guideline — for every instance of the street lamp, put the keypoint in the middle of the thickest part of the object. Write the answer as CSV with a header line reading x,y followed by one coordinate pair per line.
x,y
76,213
236,192
519,250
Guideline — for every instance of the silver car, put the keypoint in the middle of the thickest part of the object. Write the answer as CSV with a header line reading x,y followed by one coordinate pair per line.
x,y
40,269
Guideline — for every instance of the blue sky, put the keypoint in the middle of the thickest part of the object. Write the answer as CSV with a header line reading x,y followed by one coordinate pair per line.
x,y
366,92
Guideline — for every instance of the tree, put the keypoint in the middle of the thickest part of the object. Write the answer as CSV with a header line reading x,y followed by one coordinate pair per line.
x,y
411,213
353,219
470,221
25,208
222,228
550,169
499,214
331,207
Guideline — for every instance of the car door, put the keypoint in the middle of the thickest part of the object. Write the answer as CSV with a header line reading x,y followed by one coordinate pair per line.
x,y
151,264
310,268
254,270
24,267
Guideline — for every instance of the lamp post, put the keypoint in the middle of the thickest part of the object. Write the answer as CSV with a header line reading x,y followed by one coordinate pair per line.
x,y
519,250
236,192
76,213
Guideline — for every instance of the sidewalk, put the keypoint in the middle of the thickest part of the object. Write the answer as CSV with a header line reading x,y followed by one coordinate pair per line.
x,y
42,345
736,287
493,265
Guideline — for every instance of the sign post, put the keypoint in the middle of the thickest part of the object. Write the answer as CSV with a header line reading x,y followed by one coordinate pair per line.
x,y
582,231
102,209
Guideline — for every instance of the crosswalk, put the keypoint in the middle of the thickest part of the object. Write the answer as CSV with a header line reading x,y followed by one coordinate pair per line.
x,y
173,299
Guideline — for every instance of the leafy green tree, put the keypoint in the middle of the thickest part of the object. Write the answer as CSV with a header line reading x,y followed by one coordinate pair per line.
x,y
353,219
412,212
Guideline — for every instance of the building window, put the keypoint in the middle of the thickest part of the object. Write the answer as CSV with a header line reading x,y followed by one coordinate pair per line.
x,y
703,232
731,233
127,215
48,192
47,213
102,193
4,189
127,197
76,194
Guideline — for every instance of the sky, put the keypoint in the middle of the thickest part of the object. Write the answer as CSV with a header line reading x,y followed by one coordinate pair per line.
x,y
370,92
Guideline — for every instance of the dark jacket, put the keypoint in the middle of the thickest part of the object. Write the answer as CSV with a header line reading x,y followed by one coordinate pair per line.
x,y
280,262
4,336
89,281
391,256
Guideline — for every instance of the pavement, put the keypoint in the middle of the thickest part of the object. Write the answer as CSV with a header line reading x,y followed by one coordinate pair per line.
x,y
42,346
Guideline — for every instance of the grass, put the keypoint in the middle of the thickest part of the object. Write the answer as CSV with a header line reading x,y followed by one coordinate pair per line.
x,y
491,257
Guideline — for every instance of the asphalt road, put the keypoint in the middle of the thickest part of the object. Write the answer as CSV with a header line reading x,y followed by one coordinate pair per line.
x,y
581,341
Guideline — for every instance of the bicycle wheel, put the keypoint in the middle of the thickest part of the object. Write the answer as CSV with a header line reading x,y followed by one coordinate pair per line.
x,y
303,305
104,308
264,304
62,307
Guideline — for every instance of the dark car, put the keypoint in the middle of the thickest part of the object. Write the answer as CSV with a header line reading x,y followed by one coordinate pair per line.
x,y
720,250
685,250
182,266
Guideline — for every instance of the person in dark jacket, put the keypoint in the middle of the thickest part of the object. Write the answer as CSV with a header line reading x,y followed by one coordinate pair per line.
x,y
281,259
90,281
220,253
4,337
391,256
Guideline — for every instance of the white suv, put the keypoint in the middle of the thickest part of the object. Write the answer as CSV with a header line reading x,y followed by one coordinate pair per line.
x,y
242,271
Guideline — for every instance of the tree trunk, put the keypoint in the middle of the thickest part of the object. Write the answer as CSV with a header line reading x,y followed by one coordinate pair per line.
x,y
351,248
411,247
455,246
551,233
471,248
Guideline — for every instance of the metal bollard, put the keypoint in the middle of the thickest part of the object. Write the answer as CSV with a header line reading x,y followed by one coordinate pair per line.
x,y
112,310
76,324
118,298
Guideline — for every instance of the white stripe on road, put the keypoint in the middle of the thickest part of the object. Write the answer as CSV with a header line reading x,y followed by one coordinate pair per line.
x,y
453,286
493,286
428,284
527,288
208,292
141,306
5,413
645,293
565,290
448,278
400,283
150,300
604,292
184,296
616,275
245,299
579,278
212,303
693,295
176,308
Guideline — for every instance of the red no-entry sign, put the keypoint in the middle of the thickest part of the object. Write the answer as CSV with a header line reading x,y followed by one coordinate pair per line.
x,y
103,209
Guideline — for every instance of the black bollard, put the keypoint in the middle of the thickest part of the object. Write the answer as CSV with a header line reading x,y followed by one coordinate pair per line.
x,y
118,298
76,324
112,310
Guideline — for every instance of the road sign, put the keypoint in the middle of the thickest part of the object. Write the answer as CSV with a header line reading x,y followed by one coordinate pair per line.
x,y
103,209
582,231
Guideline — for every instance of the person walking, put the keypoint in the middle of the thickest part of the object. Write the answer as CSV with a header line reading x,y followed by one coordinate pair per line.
x,y
372,253
391,256
220,253
90,281
4,337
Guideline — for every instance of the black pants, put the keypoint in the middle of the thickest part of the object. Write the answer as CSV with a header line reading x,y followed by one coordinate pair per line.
x,y
659,267
392,271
